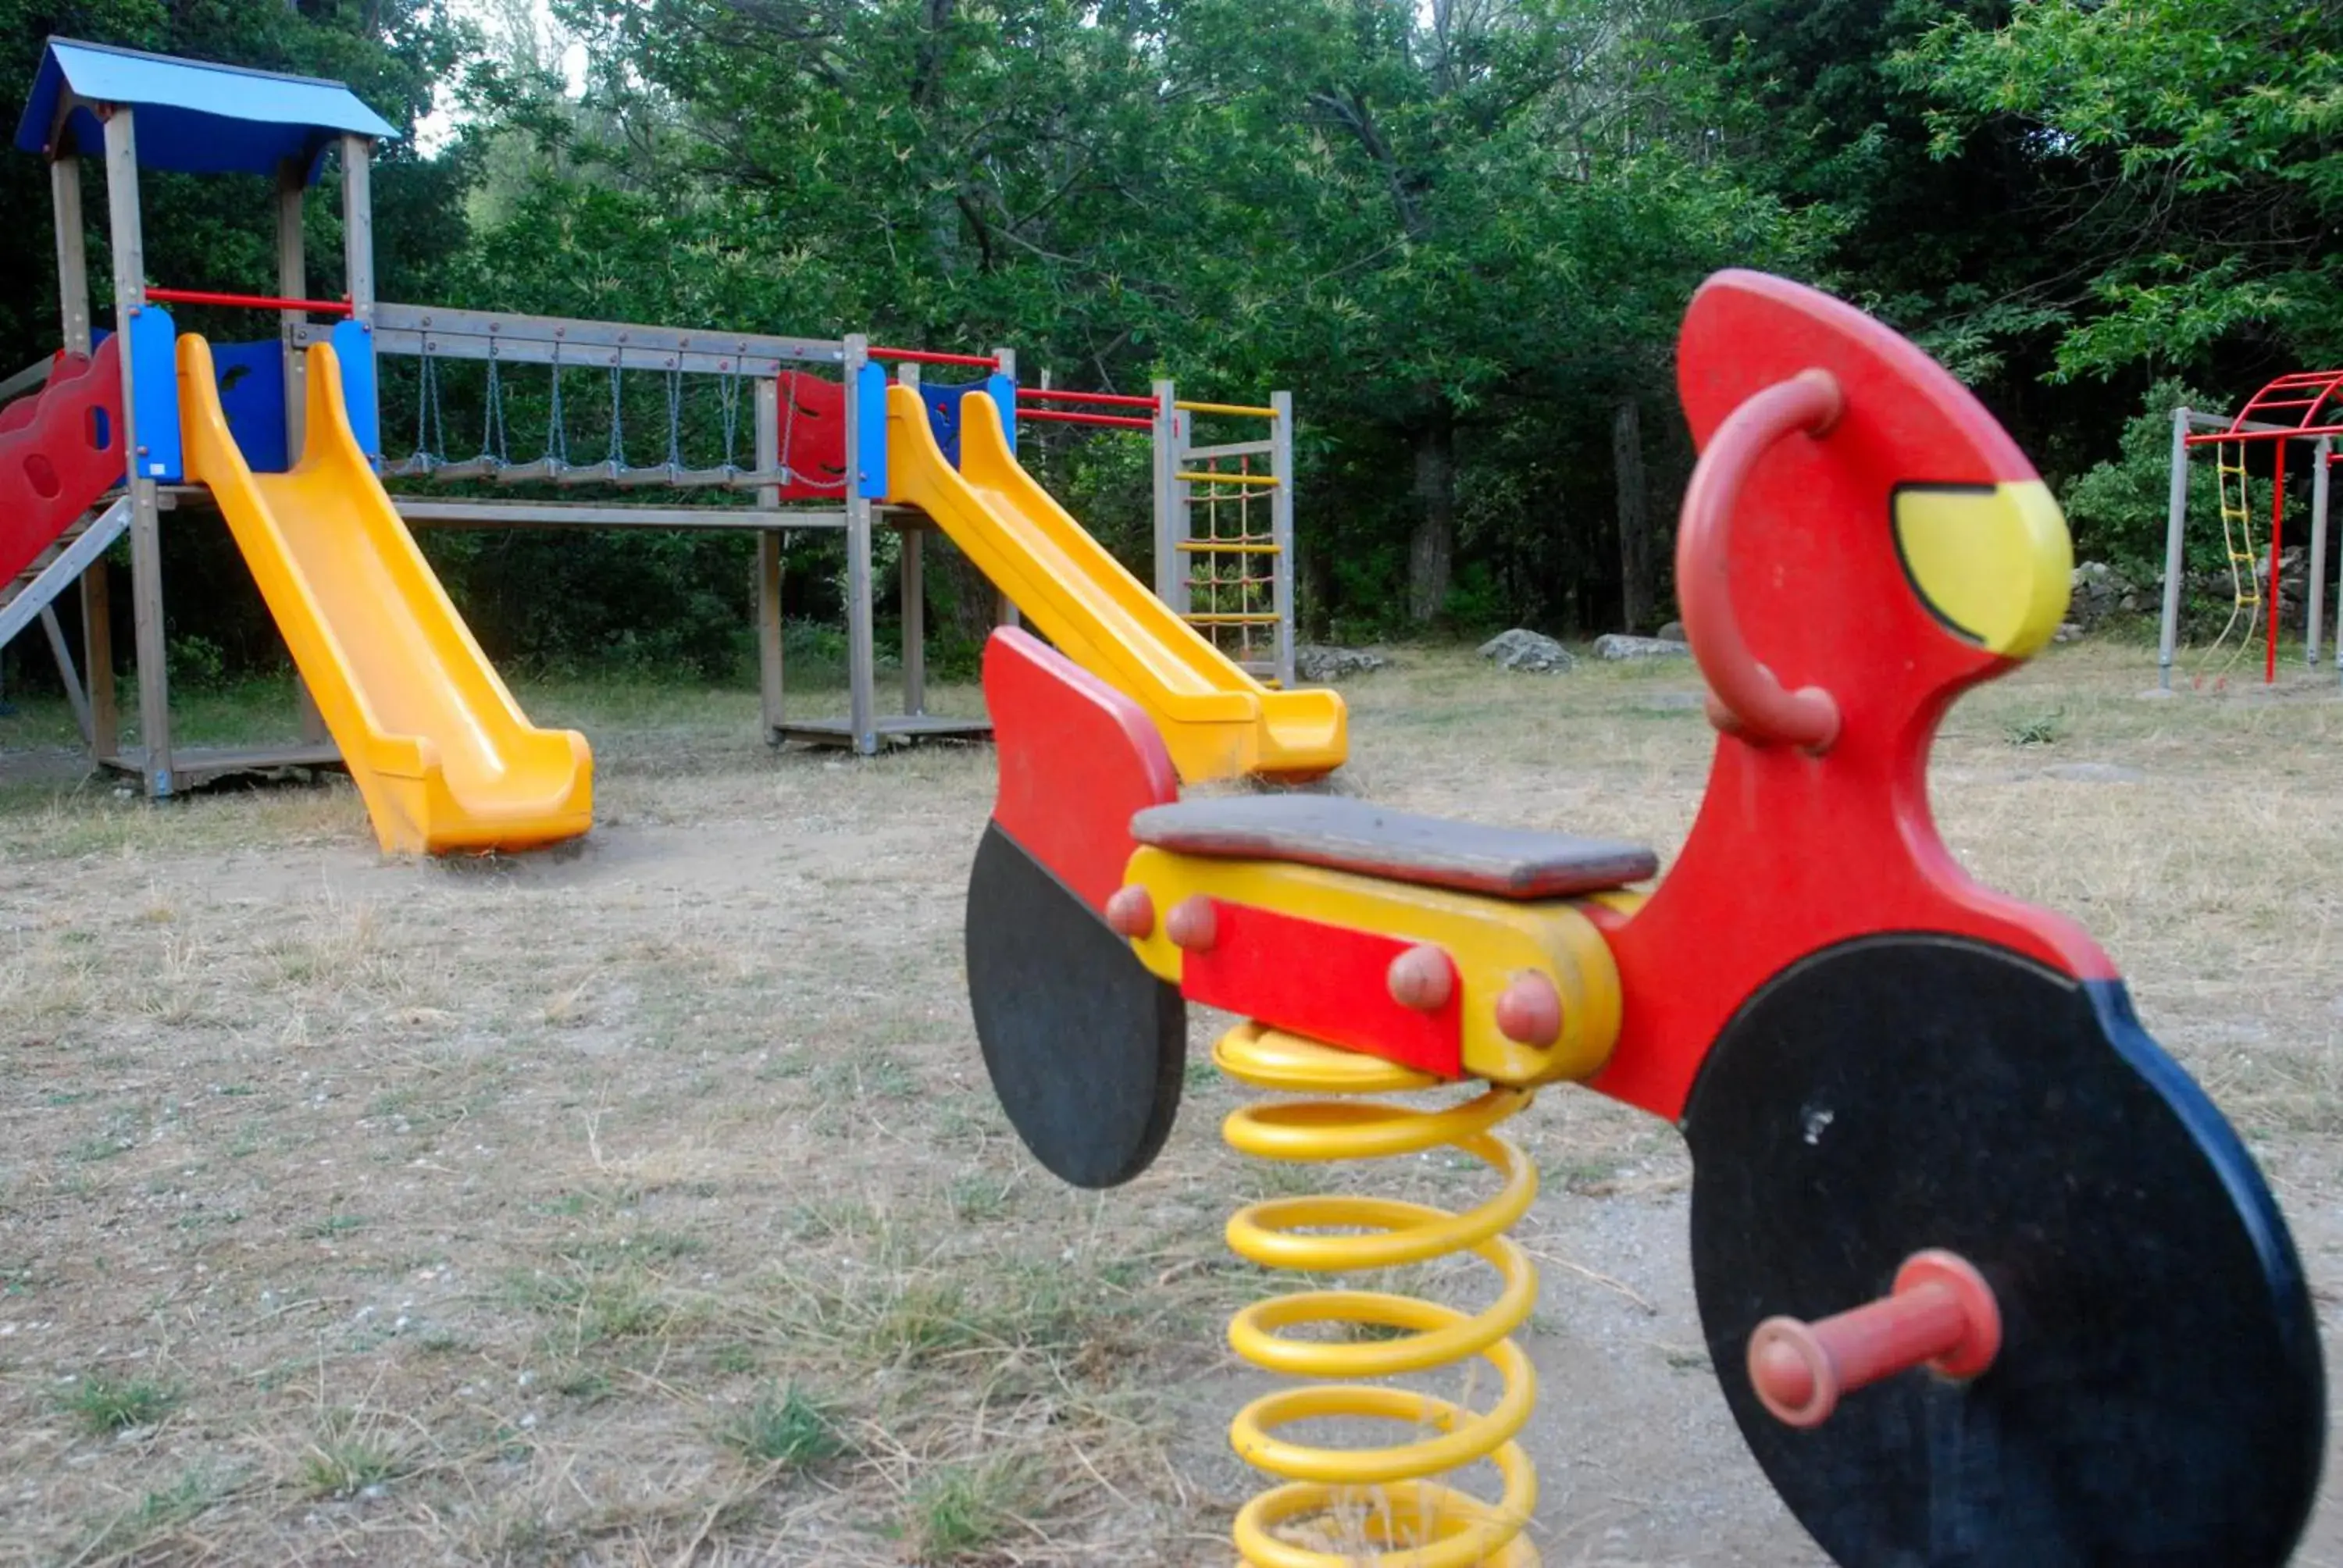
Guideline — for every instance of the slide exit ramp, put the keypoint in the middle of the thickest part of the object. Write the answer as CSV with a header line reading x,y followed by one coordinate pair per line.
x,y
441,752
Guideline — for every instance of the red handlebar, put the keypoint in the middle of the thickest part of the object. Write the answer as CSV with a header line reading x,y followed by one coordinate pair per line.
x,y
1941,1314
1748,701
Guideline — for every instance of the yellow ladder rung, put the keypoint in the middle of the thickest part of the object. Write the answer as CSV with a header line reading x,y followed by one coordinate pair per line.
x,y
1230,619
1199,477
1207,547
1256,412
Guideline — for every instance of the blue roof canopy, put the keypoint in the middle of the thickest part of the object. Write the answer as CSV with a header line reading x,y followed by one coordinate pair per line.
x,y
193,116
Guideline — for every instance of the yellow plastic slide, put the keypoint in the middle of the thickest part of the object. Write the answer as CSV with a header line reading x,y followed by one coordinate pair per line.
x,y
443,755
1218,722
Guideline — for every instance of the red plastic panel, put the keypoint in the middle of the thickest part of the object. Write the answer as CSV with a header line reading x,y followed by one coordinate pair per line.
x,y
1328,982
60,450
811,439
1792,852
1078,761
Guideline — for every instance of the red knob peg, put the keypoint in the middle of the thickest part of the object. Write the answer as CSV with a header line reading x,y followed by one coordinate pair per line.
x,y
1129,912
1422,979
1941,1315
1191,925
1529,1011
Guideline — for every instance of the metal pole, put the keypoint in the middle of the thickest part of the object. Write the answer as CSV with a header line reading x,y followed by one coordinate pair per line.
x,y
861,657
2277,539
770,672
1281,527
2319,454
146,531
2175,523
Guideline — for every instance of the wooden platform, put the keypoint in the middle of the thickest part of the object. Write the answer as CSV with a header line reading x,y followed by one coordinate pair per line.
x,y
200,765
893,728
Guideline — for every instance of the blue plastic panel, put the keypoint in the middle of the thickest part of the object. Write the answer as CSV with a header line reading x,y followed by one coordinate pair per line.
x,y
1003,392
942,404
353,345
155,394
870,394
252,395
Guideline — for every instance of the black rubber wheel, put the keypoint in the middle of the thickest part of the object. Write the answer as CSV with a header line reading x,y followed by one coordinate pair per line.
x,y
2158,1399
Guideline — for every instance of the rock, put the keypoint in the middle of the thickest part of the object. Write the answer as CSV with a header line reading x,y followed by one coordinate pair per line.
x,y
2097,591
2067,632
1618,645
1672,632
1323,665
2096,773
1527,650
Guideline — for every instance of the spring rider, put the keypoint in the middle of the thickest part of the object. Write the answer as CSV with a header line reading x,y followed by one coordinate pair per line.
x,y
1987,1281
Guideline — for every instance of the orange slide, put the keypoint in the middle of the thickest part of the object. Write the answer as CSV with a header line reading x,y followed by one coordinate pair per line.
x,y
442,754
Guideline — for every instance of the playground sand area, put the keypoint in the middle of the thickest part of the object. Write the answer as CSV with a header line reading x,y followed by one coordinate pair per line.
x,y
645,1202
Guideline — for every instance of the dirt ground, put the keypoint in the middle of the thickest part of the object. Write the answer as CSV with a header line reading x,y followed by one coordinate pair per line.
x,y
644,1202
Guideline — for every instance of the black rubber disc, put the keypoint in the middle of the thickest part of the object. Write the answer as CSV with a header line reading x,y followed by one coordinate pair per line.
x,y
2158,1401
1085,1047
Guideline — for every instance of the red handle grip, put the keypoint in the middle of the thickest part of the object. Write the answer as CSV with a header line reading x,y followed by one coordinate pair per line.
x,y
1748,700
1941,1315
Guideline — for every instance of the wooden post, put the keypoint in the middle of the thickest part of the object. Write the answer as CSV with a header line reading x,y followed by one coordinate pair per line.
x,y
1280,530
1171,502
146,530
358,227
73,252
293,283
861,657
103,727
915,621
770,672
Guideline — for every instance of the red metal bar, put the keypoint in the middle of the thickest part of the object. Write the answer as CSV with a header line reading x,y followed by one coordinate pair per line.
x,y
1112,421
1056,394
250,301
928,357
2216,437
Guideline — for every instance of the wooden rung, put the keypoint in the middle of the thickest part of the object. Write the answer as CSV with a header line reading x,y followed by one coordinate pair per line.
x,y
532,473
600,473
469,469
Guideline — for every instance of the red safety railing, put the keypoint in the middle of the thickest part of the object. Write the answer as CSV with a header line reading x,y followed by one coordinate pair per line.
x,y
1112,421
929,357
250,301
1059,395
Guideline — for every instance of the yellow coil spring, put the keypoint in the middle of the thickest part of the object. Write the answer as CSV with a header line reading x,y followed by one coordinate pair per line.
x,y
1362,1508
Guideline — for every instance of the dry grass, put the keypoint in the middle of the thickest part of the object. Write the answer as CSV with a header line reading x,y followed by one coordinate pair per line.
x,y
645,1204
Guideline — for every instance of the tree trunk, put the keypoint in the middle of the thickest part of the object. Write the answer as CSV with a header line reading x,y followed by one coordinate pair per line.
x,y
1637,589
1431,549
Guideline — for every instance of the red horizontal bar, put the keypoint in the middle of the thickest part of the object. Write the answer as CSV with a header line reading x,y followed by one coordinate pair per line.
x,y
1112,421
1054,395
2220,437
927,356
251,301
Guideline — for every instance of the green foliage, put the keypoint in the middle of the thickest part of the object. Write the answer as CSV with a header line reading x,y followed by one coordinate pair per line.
x,y
2187,159
2118,509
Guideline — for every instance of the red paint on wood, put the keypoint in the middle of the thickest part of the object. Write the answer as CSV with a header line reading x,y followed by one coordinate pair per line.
x,y
1329,982
1078,761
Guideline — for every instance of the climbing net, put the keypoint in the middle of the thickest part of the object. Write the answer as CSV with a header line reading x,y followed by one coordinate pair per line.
x,y
701,416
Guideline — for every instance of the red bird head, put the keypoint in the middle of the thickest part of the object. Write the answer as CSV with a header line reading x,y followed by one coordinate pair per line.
x,y
1906,552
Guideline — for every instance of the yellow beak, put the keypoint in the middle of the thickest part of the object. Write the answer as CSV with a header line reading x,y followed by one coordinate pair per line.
x,y
1992,562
